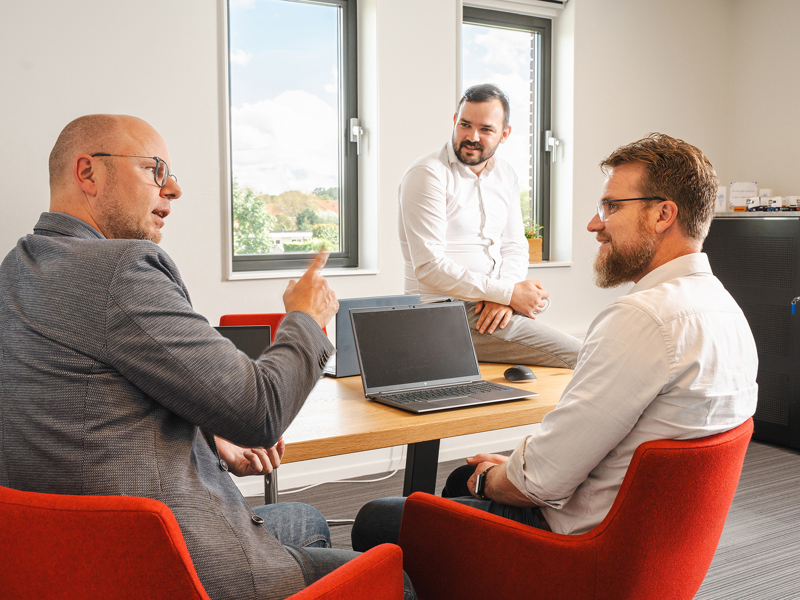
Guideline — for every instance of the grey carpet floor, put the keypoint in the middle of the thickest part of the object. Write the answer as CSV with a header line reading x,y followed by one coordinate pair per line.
x,y
758,557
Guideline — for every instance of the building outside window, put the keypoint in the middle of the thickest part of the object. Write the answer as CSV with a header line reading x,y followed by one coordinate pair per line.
x,y
513,51
292,91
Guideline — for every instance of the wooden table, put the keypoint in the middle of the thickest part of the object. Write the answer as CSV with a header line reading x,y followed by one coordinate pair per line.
x,y
338,419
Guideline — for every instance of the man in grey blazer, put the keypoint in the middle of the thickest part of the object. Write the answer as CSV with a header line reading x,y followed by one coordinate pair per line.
x,y
111,384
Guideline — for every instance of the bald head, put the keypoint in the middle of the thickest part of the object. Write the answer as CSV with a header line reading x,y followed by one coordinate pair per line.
x,y
103,172
89,134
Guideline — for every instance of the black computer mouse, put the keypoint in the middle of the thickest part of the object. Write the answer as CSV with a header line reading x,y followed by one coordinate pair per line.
x,y
519,373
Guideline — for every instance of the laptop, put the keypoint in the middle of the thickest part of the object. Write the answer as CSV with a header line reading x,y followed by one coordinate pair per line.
x,y
345,362
250,339
421,359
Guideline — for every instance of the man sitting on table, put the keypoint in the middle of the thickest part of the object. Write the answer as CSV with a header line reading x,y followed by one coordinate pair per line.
x,y
111,384
462,238
672,359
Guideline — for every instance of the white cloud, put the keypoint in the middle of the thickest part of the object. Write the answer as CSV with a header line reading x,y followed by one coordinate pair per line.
x,y
502,49
333,87
240,57
505,60
287,143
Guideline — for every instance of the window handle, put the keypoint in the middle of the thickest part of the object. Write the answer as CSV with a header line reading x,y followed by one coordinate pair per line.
x,y
356,132
550,144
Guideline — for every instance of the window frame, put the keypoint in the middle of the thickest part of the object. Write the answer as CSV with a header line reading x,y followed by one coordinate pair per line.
x,y
541,156
348,158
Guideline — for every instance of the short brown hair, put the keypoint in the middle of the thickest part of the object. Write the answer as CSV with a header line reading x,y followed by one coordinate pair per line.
x,y
676,171
486,92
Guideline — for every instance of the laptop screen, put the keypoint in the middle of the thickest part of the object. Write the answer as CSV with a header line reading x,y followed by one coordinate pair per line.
x,y
250,339
413,344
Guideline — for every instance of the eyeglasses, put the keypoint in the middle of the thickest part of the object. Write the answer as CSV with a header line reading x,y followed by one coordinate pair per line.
x,y
160,174
601,209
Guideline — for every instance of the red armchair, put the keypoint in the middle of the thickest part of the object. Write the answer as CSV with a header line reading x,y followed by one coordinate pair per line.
x,y
271,319
656,542
96,548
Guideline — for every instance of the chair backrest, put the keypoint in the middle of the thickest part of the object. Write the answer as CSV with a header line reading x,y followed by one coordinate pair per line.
x,y
56,547
666,521
271,319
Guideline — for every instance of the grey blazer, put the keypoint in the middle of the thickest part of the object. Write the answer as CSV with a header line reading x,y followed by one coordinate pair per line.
x,y
110,384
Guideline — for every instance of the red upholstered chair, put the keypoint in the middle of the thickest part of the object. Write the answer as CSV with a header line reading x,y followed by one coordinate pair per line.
x,y
271,319
657,541
97,548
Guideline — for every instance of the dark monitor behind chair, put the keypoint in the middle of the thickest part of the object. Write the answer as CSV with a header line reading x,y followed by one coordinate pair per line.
x,y
345,362
250,339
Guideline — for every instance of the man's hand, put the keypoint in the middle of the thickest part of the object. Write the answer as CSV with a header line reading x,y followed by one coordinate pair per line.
x,y
494,459
528,297
498,487
250,461
312,294
493,315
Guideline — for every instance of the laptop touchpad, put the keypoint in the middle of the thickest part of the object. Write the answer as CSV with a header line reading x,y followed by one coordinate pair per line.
x,y
457,401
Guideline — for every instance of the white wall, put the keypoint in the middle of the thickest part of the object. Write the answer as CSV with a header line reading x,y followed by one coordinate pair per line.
x,y
764,89
623,68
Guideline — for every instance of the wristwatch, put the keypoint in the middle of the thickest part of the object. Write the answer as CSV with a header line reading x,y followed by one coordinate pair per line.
x,y
480,484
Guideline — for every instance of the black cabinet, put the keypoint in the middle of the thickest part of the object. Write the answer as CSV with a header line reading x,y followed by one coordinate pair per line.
x,y
757,259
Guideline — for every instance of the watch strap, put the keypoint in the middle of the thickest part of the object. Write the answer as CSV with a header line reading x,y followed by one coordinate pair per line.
x,y
480,492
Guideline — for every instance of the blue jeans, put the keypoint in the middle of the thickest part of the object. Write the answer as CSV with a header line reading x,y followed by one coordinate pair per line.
x,y
305,534
296,524
378,522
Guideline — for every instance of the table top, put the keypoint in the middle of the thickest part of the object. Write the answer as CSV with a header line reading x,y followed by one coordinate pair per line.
x,y
338,419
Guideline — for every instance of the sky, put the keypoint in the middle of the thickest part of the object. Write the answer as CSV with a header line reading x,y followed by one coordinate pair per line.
x,y
502,57
284,113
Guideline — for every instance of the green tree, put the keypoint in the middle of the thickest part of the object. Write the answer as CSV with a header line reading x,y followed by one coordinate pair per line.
x,y
251,222
294,202
327,193
327,232
305,219
525,204
284,223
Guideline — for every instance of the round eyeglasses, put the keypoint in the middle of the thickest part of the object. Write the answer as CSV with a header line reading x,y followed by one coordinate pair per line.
x,y
161,173
601,212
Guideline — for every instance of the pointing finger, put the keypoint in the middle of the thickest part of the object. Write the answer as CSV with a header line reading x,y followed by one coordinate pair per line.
x,y
319,261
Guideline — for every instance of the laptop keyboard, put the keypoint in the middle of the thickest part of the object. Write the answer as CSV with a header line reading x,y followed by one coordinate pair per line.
x,y
447,392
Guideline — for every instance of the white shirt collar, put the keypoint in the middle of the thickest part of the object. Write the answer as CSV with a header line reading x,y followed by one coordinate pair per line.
x,y
689,264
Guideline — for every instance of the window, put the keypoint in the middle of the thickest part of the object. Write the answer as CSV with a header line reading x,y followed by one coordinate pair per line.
x,y
513,52
292,93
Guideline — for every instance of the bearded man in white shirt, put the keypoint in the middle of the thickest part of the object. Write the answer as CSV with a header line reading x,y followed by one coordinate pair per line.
x,y
672,359
462,238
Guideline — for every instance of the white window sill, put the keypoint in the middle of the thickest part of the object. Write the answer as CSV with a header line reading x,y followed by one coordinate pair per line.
x,y
550,264
296,273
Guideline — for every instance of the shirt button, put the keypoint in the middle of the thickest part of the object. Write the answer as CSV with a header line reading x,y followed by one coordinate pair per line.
x,y
223,465
257,520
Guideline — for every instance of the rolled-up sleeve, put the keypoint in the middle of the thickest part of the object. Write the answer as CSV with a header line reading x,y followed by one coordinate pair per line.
x,y
619,372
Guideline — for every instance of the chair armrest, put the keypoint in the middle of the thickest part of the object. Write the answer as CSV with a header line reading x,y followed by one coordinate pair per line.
x,y
455,551
375,575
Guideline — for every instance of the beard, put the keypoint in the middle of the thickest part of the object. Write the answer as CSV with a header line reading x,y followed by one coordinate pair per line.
x,y
624,265
118,222
482,157
121,226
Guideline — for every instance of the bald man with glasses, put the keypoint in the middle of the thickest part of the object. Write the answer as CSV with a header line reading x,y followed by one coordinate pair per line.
x,y
111,384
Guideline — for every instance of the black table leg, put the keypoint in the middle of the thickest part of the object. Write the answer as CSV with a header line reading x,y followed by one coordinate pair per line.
x,y
422,460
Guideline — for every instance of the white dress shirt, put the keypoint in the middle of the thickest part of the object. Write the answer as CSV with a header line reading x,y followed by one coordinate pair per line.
x,y
461,235
673,359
